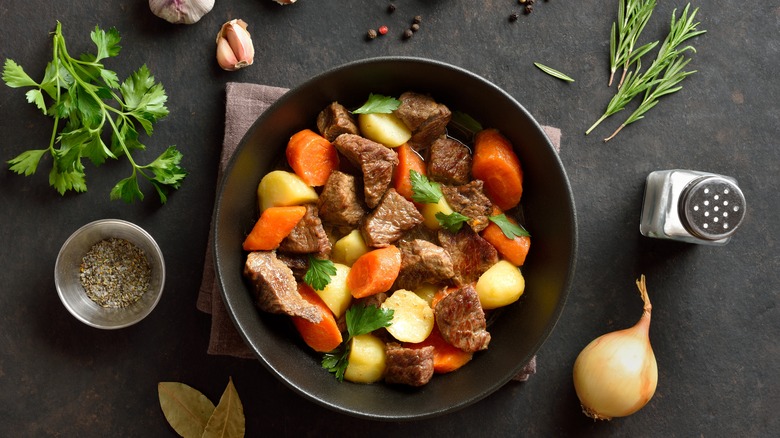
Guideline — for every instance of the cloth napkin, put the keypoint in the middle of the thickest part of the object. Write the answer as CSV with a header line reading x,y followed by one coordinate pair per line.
x,y
244,103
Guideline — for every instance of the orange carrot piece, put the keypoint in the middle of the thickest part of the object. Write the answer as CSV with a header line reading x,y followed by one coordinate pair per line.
x,y
323,336
512,250
496,164
374,272
446,358
312,157
408,160
273,226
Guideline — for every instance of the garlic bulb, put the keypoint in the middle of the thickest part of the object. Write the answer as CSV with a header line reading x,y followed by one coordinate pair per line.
x,y
234,46
181,11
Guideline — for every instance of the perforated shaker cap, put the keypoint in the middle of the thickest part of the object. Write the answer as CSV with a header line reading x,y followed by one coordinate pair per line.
x,y
712,207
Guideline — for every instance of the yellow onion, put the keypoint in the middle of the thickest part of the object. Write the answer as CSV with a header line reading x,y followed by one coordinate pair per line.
x,y
616,374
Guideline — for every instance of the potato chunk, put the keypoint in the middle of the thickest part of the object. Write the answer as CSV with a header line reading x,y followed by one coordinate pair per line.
x,y
367,359
502,284
336,294
281,189
384,128
412,316
349,248
429,213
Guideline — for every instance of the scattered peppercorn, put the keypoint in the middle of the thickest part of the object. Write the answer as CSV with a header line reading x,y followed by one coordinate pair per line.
x,y
390,8
514,17
415,27
529,9
417,19
531,2
371,34
383,30
522,2
408,34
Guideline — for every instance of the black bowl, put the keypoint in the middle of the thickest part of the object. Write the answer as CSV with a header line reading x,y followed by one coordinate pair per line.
x,y
522,327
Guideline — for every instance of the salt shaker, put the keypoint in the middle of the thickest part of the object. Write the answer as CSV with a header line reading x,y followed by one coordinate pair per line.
x,y
691,206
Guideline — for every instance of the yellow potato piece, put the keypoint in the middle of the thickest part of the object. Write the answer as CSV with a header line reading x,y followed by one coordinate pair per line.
x,y
501,285
336,294
429,213
349,248
427,291
280,189
366,359
384,128
412,316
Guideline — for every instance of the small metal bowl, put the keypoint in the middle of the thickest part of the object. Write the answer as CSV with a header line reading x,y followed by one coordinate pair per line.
x,y
71,291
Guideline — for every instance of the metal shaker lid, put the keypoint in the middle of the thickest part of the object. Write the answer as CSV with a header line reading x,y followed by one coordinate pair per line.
x,y
712,207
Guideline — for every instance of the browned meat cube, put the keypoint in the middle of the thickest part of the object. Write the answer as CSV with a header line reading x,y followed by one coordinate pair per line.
x,y
471,254
308,236
335,120
387,223
275,288
470,200
461,320
408,366
421,262
449,161
375,160
339,204
426,118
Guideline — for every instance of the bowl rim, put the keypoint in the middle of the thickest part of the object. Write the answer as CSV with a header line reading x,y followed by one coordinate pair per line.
x,y
97,224
229,304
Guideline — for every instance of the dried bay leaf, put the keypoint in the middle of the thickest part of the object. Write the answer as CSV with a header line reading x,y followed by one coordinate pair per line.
x,y
227,421
186,409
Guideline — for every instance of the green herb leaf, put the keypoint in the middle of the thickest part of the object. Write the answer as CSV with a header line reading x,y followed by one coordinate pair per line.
x,y
336,361
319,273
424,190
451,222
378,104
107,42
15,77
509,228
228,419
27,162
553,72
186,409
127,190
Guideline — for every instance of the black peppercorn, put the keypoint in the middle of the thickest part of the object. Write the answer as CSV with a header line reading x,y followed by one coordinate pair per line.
x,y
529,9
371,34
513,17
391,8
408,34
531,2
415,27
417,19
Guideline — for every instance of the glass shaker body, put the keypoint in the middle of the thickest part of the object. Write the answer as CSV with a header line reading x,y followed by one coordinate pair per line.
x,y
691,206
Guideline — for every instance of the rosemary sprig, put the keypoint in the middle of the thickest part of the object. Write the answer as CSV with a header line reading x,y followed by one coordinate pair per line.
x,y
553,72
633,15
661,77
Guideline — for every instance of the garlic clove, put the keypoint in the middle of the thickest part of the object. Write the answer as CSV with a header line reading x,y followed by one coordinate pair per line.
x,y
181,11
234,46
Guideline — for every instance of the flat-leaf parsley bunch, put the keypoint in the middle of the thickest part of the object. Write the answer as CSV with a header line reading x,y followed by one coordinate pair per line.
x,y
87,99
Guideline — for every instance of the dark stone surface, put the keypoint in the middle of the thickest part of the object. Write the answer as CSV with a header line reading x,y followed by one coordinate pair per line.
x,y
715,321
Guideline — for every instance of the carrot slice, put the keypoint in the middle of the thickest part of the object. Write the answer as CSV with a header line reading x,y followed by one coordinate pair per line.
x,y
408,160
446,358
323,336
374,272
512,250
273,226
312,157
496,164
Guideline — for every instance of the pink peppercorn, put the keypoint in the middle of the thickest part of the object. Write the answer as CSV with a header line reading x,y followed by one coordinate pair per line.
x,y
382,30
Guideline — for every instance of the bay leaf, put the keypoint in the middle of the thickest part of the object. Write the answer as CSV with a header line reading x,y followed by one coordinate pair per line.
x,y
186,409
227,421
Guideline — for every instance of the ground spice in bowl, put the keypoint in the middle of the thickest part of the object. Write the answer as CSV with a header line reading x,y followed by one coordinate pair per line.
x,y
115,273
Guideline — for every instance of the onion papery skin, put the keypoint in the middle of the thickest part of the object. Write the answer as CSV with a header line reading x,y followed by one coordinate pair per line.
x,y
616,374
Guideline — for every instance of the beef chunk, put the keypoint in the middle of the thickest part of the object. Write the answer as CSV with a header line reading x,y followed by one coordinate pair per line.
x,y
387,223
408,366
308,236
275,288
449,161
421,262
470,200
335,120
471,254
375,160
426,118
461,320
339,204
298,263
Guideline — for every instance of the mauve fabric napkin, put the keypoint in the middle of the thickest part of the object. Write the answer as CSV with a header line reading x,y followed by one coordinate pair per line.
x,y
244,103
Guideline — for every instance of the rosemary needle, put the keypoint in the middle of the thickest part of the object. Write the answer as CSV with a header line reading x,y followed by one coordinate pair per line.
x,y
553,72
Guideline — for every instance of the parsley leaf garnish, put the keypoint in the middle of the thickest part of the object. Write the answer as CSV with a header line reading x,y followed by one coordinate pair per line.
x,y
423,189
319,273
88,99
509,228
378,104
361,319
451,222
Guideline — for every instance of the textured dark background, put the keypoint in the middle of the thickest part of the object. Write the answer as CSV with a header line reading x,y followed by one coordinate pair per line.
x,y
715,321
